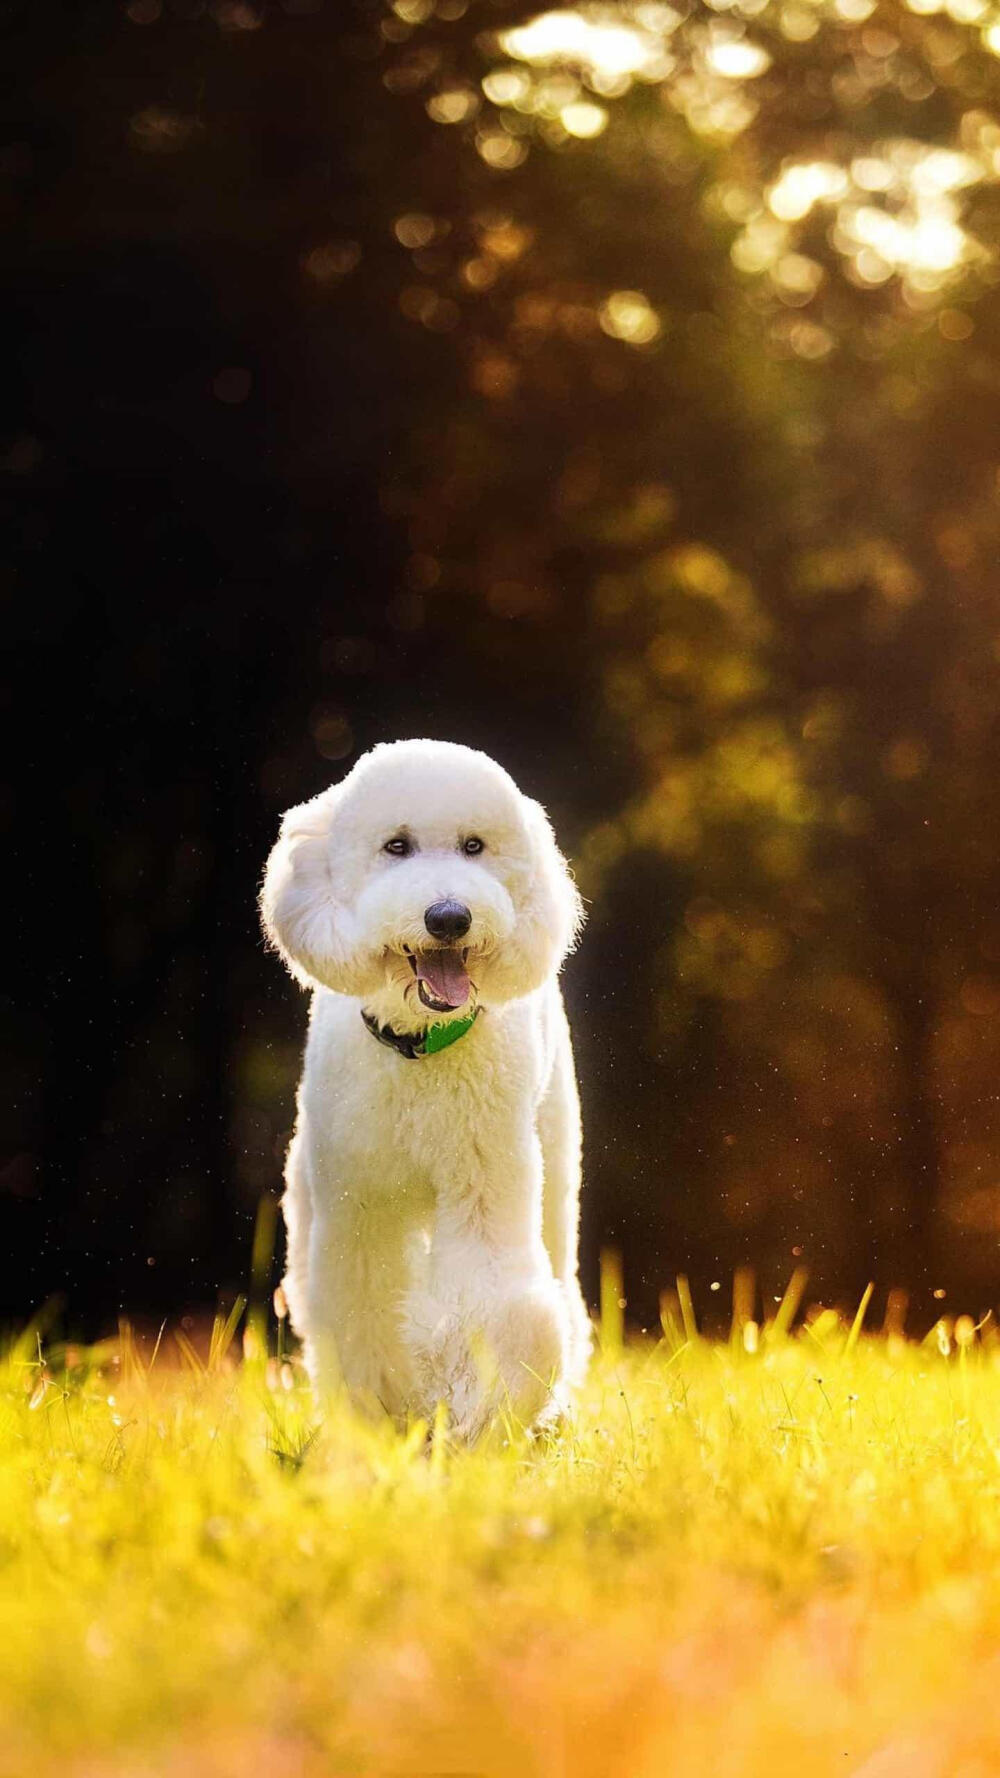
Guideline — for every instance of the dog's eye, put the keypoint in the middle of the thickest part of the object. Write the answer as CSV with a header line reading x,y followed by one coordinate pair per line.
x,y
399,847
473,846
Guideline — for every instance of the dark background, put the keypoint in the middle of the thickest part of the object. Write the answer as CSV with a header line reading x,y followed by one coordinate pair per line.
x,y
260,515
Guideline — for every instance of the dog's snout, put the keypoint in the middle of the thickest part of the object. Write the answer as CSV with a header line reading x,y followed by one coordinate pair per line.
x,y
447,919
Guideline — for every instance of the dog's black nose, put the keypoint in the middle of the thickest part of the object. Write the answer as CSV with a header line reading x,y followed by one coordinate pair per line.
x,y
447,919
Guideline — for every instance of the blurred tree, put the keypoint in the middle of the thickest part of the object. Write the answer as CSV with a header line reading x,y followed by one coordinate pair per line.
x,y
715,313
613,387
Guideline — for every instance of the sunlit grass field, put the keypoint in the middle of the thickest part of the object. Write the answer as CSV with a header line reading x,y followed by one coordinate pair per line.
x,y
776,1554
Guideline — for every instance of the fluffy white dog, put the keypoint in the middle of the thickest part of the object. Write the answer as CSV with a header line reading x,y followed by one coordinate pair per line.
x,y
432,1184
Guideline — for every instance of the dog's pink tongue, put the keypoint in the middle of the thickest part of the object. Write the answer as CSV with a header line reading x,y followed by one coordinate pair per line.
x,y
444,973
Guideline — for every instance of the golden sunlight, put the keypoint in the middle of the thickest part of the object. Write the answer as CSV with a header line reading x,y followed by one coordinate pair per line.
x,y
599,44
627,315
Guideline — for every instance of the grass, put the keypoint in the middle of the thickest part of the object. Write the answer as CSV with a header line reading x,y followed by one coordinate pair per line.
x,y
775,1560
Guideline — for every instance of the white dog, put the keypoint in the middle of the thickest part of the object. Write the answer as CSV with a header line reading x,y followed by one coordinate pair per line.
x,y
433,1179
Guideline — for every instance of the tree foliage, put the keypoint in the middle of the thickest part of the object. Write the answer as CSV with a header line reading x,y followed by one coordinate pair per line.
x,y
614,387
726,302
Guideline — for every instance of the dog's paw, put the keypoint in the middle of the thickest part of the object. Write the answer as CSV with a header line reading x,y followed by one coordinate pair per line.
x,y
507,1360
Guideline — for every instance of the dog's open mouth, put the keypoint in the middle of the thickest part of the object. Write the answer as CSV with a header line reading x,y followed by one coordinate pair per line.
x,y
442,980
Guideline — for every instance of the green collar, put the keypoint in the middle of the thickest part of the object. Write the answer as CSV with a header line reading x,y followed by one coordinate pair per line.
x,y
428,1042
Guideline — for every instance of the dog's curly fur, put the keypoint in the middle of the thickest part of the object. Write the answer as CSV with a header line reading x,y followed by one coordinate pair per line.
x,y
432,1204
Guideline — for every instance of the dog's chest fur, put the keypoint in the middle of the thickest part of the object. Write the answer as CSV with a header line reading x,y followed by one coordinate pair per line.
x,y
438,1107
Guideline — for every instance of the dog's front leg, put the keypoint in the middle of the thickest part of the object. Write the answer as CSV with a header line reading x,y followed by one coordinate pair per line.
x,y
357,1278
487,1329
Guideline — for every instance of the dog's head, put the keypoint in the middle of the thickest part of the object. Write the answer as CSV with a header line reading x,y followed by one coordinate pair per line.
x,y
424,884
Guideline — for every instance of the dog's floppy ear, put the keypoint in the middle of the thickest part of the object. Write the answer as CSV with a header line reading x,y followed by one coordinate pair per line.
x,y
549,914
559,908
298,906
